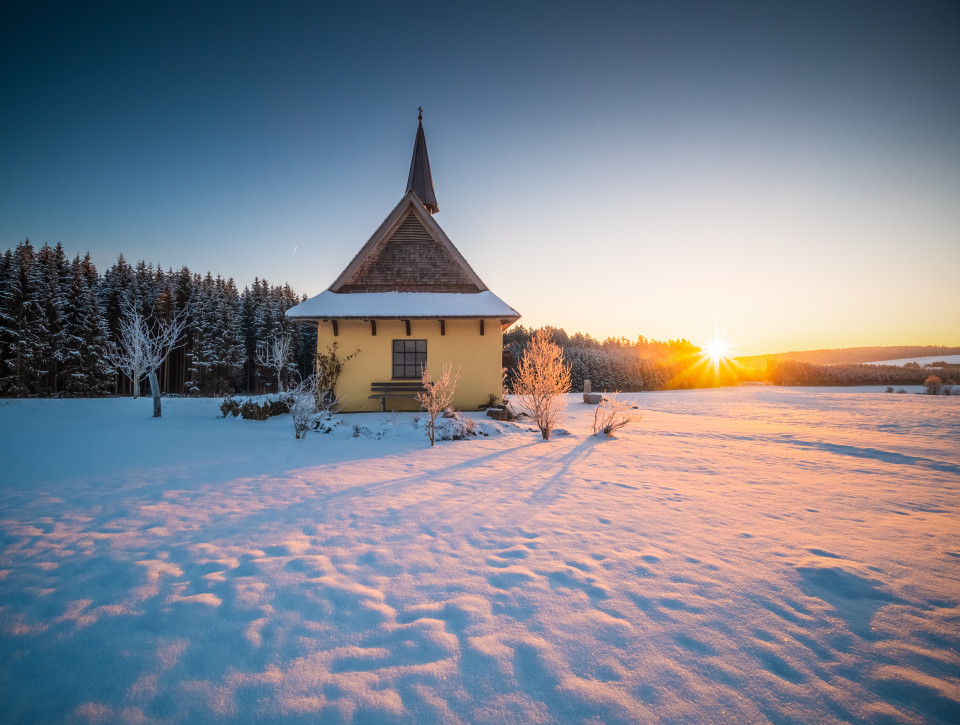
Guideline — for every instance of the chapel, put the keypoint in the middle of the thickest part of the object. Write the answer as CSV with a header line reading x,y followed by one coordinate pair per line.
x,y
409,299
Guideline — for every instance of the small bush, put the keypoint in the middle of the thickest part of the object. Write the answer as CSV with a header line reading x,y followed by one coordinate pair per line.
x,y
901,390
252,410
889,388
229,406
933,385
611,415
437,396
492,402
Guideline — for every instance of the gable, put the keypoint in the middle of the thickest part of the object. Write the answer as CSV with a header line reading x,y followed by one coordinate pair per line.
x,y
408,253
409,260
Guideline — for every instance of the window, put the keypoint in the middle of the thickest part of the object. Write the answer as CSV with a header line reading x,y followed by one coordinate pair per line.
x,y
409,357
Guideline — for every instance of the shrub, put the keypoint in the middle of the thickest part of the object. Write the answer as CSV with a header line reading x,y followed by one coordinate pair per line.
x,y
454,427
541,380
302,407
611,415
889,388
933,385
229,406
437,396
252,410
329,368
310,410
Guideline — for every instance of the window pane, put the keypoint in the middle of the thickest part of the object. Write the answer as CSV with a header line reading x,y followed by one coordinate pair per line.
x,y
398,371
412,371
421,346
421,357
398,345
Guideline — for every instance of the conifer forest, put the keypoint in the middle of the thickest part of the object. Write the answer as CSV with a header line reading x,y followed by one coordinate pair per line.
x,y
59,318
59,323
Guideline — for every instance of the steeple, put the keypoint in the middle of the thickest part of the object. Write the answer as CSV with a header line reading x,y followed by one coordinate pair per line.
x,y
420,182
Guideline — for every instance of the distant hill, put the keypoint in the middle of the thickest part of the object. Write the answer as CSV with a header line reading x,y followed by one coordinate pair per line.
x,y
850,355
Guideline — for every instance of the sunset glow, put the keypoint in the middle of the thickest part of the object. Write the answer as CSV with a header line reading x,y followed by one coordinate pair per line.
x,y
717,350
731,169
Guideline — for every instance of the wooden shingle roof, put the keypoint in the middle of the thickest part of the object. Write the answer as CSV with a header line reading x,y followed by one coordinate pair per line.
x,y
409,252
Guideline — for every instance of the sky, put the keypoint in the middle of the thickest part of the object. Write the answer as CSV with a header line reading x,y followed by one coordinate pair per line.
x,y
783,174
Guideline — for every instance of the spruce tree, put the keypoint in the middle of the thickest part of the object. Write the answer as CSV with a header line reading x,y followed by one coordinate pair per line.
x,y
86,335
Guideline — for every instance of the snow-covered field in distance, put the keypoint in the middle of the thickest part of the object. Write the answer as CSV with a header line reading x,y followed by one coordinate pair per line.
x,y
738,555
951,359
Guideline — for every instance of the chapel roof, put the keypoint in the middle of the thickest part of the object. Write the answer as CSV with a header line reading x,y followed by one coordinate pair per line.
x,y
409,252
409,267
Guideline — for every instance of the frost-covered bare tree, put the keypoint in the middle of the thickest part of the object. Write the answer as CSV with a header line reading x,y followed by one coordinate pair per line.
x,y
274,354
144,343
437,396
541,380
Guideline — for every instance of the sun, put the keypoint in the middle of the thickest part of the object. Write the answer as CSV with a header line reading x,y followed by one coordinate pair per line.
x,y
717,349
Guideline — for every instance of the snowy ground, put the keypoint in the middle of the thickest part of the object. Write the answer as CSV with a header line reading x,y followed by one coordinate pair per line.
x,y
921,361
740,555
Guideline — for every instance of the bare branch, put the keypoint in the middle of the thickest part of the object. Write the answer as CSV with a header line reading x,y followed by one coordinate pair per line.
x,y
437,396
611,415
542,378
144,343
274,354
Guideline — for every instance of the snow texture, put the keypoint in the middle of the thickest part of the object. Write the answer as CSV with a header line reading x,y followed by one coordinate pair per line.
x,y
753,554
922,361
403,304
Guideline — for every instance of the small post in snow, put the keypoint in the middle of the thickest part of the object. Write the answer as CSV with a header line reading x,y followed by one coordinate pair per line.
x,y
155,391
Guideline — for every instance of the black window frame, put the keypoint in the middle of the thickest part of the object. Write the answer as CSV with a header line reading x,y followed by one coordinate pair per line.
x,y
412,358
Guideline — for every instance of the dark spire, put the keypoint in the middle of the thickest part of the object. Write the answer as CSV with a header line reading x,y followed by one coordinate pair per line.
x,y
420,182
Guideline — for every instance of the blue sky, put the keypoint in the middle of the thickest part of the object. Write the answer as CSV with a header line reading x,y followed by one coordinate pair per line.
x,y
785,173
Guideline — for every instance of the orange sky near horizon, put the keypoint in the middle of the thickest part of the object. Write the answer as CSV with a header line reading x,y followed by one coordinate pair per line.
x,y
785,173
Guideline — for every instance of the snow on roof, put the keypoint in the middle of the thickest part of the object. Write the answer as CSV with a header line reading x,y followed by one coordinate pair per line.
x,y
364,305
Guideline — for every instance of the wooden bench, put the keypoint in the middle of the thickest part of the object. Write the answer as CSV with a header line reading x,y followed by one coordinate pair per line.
x,y
382,391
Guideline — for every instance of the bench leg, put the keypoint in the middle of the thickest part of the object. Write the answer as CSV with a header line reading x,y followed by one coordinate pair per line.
x,y
383,405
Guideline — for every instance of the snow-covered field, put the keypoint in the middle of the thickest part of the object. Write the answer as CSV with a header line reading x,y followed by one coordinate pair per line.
x,y
739,555
921,361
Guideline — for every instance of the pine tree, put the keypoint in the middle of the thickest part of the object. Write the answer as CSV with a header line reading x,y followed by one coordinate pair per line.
x,y
53,292
216,356
24,326
86,335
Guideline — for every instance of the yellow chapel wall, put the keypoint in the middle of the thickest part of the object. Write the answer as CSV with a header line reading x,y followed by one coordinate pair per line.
x,y
479,358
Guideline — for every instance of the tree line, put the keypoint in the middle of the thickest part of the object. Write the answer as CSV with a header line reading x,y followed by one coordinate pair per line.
x,y
794,372
642,364
629,365
59,320
851,355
